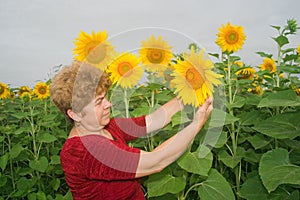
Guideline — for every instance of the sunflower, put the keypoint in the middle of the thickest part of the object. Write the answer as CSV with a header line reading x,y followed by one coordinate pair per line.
x,y
155,54
93,49
247,73
41,90
268,64
4,91
230,38
256,89
239,63
24,91
193,78
125,70
297,90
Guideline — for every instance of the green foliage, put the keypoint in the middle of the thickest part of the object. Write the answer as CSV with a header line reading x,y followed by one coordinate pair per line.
x,y
32,134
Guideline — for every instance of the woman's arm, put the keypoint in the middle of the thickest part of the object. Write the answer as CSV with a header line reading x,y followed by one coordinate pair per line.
x,y
174,147
162,116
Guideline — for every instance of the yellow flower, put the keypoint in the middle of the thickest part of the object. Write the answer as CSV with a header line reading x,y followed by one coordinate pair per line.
x,y
41,90
268,64
125,70
256,90
93,49
4,91
247,73
230,38
239,63
297,91
298,50
281,75
193,78
24,91
155,54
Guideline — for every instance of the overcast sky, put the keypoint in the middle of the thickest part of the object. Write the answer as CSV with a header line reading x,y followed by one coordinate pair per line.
x,y
37,35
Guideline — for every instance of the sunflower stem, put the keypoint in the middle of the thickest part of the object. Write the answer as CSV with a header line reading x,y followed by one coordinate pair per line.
x,y
126,102
233,135
278,64
151,139
152,98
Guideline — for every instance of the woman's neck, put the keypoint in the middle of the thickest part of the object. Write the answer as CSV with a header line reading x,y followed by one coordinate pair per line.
x,y
78,130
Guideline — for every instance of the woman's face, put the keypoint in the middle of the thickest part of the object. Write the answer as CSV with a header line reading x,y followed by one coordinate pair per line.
x,y
97,113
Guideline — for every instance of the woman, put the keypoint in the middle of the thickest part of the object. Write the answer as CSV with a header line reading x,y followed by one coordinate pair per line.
x,y
97,162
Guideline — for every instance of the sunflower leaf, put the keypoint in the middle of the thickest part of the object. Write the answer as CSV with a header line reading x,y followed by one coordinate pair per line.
x,y
276,27
275,169
281,40
220,118
264,55
280,98
253,189
162,183
280,126
215,187
196,163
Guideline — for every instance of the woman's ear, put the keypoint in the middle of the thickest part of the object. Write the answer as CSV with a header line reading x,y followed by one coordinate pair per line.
x,y
73,115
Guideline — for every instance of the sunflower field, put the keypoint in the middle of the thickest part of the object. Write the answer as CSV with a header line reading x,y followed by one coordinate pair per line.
x,y
248,149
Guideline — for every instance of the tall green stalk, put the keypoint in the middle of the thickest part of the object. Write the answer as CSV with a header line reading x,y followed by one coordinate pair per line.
x,y
233,134
126,102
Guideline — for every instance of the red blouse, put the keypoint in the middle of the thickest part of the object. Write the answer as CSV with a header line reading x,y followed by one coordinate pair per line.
x,y
99,168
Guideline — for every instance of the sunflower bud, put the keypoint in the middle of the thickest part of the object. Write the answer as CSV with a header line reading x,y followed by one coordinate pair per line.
x,y
292,26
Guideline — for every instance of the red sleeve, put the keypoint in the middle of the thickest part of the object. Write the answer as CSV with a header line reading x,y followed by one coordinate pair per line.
x,y
128,128
109,160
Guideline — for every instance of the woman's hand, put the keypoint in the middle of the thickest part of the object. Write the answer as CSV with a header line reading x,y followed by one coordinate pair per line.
x,y
203,112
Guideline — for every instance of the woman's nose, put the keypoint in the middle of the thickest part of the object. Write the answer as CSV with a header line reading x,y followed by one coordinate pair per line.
x,y
107,103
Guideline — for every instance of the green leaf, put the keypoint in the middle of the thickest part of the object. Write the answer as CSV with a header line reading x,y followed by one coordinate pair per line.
x,y
280,98
294,144
253,100
264,55
229,160
290,57
20,115
239,101
40,195
276,27
55,183
220,118
46,137
281,40
161,183
282,194
249,118
55,160
258,141
3,181
16,150
292,69
195,163
251,156
275,169
24,184
253,189
215,187
281,126
22,129
3,161
216,55
39,165
214,138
